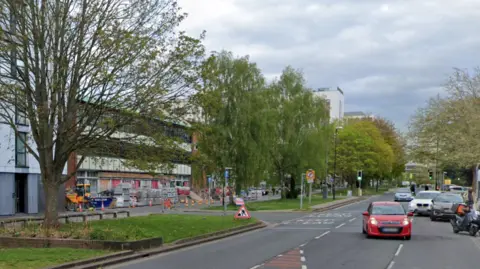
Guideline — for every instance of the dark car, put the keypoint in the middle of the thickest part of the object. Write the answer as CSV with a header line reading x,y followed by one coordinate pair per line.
x,y
442,206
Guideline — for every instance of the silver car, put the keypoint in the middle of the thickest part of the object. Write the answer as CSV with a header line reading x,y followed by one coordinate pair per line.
x,y
442,205
403,195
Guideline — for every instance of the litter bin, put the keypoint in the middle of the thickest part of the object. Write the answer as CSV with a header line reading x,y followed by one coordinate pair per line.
x,y
325,192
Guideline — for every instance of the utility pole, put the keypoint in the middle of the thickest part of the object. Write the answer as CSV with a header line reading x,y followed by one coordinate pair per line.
x,y
335,162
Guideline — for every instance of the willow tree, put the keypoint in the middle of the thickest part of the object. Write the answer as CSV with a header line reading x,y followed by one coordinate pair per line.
x,y
233,131
298,127
70,66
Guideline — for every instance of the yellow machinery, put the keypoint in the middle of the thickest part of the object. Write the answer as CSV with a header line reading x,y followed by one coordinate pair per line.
x,y
78,196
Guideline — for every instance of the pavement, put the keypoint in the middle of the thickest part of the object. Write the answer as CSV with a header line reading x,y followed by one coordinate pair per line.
x,y
330,240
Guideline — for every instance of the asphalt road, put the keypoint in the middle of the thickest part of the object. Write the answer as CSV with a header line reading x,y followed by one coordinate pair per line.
x,y
326,240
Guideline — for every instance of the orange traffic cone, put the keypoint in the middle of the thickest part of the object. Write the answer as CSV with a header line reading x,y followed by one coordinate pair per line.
x,y
80,208
150,203
103,208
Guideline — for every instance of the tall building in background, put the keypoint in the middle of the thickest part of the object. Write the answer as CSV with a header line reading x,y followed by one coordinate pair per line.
x,y
335,100
358,115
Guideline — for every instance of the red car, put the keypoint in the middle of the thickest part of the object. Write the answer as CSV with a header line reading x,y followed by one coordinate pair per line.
x,y
387,219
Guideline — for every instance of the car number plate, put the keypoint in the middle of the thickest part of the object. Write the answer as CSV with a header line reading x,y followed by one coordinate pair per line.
x,y
391,230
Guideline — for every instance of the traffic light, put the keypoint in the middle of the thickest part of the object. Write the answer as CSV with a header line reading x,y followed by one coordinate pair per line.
x,y
430,175
359,175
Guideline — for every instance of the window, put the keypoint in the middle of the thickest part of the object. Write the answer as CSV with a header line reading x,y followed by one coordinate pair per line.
x,y
20,116
21,150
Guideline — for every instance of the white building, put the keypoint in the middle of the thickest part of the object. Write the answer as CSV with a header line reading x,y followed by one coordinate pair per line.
x,y
358,115
335,99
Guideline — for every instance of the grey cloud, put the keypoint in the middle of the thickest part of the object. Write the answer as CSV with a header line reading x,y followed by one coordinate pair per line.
x,y
387,61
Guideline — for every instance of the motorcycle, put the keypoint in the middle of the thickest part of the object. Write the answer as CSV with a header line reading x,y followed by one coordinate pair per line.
x,y
457,222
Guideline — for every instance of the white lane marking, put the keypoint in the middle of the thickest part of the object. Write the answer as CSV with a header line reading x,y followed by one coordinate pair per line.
x,y
325,233
304,267
302,259
339,225
399,249
298,228
302,245
256,266
352,219
391,265
301,251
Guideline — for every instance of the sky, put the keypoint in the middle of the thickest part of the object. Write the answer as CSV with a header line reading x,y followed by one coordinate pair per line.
x,y
388,56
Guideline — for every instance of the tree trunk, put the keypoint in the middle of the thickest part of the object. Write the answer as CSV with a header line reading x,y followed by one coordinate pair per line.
x,y
51,205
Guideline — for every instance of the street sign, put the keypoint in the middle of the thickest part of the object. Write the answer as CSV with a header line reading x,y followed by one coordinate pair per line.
x,y
209,179
226,174
310,176
239,201
242,213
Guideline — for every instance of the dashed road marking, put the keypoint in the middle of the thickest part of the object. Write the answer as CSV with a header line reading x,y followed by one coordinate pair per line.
x,y
352,219
301,251
304,267
322,235
302,259
390,266
399,249
256,266
279,255
339,225
302,245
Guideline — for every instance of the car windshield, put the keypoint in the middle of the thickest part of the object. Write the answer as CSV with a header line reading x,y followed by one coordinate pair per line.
x,y
388,210
449,199
403,191
427,195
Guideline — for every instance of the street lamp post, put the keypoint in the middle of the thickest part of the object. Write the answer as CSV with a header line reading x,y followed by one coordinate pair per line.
x,y
335,161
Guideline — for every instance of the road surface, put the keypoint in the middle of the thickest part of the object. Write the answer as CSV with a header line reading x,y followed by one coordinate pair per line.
x,y
326,240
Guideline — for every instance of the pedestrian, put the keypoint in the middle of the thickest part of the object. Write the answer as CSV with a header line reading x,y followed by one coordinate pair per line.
x,y
426,187
412,188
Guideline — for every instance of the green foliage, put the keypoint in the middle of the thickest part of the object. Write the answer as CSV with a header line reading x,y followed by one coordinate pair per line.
x,y
361,146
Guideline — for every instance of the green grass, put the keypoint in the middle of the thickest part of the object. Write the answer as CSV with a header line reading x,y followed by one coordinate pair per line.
x,y
170,227
368,191
34,258
279,204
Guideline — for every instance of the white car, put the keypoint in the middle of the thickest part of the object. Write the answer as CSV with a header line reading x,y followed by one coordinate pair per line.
x,y
422,204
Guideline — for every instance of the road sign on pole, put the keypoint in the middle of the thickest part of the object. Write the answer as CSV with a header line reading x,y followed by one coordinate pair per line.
x,y
310,175
310,179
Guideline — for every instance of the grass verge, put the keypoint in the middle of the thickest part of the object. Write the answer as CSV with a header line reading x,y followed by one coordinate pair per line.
x,y
34,258
280,204
368,191
170,227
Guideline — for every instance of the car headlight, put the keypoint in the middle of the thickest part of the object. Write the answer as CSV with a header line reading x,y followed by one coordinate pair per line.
x,y
406,221
373,221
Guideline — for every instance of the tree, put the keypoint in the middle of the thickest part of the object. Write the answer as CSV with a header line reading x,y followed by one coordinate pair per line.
x,y
392,137
298,128
360,146
232,135
81,68
446,129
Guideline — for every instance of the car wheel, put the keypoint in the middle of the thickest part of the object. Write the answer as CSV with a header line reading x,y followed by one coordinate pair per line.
x,y
432,218
363,229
